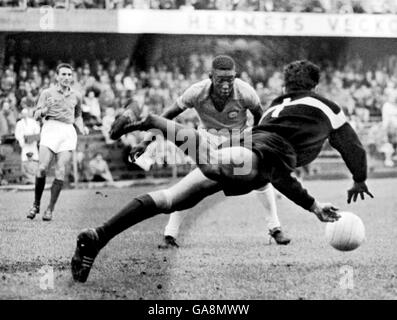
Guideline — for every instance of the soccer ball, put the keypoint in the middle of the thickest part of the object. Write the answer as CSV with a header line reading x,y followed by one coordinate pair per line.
x,y
346,234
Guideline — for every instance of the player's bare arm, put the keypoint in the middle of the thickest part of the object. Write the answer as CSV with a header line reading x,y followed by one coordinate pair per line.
x,y
79,124
172,112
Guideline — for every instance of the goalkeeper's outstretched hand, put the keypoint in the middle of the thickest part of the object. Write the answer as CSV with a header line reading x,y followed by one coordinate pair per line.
x,y
359,188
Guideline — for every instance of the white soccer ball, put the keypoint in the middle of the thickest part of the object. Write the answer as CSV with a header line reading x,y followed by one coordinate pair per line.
x,y
346,234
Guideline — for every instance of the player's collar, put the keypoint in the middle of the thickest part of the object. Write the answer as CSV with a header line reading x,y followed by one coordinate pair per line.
x,y
294,94
65,93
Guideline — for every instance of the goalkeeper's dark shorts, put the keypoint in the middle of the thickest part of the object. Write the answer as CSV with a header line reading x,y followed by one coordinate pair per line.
x,y
273,152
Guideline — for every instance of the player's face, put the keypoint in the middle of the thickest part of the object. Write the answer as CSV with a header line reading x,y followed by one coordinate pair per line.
x,y
222,81
65,77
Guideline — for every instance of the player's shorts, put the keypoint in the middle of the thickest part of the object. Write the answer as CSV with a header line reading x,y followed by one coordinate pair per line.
x,y
272,150
58,136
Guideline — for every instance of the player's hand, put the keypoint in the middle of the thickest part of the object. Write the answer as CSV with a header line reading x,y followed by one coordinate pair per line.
x,y
325,212
37,115
40,113
359,188
137,150
50,102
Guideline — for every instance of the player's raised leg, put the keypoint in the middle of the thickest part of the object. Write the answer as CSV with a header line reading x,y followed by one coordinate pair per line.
x,y
267,198
45,158
189,191
185,194
187,139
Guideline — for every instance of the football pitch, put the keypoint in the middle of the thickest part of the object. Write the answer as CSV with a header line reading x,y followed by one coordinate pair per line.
x,y
224,254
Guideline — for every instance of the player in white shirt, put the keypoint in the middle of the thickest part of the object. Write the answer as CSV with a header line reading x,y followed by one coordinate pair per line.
x,y
221,103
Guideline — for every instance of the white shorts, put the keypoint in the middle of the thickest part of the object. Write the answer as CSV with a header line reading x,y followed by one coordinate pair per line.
x,y
58,136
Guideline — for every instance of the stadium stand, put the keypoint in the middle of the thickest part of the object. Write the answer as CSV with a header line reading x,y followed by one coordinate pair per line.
x,y
316,6
360,80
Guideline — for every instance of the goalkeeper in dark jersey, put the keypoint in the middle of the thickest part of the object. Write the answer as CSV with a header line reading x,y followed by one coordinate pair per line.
x,y
290,134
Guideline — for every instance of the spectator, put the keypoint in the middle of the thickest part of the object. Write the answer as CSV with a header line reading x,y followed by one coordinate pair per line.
x,y
83,170
262,94
91,109
107,121
389,118
100,169
27,133
3,180
7,118
378,143
29,169
29,100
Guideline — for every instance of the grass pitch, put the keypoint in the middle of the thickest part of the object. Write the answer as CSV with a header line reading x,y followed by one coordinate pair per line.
x,y
224,254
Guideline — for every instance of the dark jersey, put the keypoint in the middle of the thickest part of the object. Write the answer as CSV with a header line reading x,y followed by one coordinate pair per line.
x,y
305,120
293,131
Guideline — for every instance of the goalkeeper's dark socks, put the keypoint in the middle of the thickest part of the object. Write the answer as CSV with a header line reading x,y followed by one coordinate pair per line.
x,y
139,209
38,190
55,191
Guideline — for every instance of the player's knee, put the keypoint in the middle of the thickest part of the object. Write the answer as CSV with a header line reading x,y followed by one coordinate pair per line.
x,y
60,173
163,200
211,171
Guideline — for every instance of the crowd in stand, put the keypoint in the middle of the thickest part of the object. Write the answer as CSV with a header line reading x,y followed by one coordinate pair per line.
x,y
319,6
367,96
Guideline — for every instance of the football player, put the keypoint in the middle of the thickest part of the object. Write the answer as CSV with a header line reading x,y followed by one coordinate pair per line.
x,y
221,103
60,107
290,134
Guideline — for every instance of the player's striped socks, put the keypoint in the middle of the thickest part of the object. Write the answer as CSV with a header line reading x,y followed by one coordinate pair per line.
x,y
139,209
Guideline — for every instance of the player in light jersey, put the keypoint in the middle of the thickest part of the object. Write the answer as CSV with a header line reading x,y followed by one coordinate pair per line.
x,y
60,106
221,103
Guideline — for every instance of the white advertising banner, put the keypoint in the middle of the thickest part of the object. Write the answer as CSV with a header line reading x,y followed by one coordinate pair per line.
x,y
200,22
256,23
47,19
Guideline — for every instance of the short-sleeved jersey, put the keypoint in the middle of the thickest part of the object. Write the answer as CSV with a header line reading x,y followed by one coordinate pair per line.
x,y
67,105
234,114
305,120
